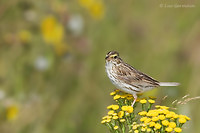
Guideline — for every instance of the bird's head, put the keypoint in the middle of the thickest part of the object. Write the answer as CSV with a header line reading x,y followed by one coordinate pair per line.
x,y
113,56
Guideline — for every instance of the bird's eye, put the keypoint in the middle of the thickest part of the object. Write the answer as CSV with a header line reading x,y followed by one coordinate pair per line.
x,y
115,57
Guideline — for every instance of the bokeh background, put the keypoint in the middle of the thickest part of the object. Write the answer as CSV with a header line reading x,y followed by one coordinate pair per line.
x,y
52,74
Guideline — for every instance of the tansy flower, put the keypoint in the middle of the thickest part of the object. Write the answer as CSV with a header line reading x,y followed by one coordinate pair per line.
x,y
157,126
161,117
142,113
129,109
143,129
115,117
108,120
155,119
143,101
109,107
136,131
172,124
120,114
175,116
151,124
113,93
122,120
165,122
116,127
148,129
178,129
169,129
111,112
164,107
115,107
103,121
143,118
147,120
151,101
114,114
134,127
182,120
116,97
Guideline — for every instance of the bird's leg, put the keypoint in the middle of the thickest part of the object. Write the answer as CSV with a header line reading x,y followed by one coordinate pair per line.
x,y
135,98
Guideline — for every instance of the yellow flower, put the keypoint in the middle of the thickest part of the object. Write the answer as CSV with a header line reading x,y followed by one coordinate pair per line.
x,y
112,93
25,36
148,129
142,113
165,122
12,112
157,106
151,124
111,112
120,114
152,113
134,127
86,3
115,107
157,126
169,129
143,129
182,120
147,120
151,101
187,118
97,10
116,127
136,131
52,31
164,107
103,121
143,101
109,107
178,129
115,117
122,120
116,97
172,124
169,115
166,111
161,117
143,118
108,120
129,109
175,116
184,116
114,114
155,118
107,117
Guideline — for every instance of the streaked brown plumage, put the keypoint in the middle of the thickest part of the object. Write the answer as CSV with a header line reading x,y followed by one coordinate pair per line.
x,y
127,78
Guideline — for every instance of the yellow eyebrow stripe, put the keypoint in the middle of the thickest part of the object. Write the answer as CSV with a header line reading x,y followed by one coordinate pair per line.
x,y
113,55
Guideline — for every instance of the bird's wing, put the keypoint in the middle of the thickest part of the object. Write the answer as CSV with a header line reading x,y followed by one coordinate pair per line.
x,y
130,75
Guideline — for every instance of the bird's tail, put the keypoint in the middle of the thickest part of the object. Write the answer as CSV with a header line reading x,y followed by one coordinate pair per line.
x,y
169,84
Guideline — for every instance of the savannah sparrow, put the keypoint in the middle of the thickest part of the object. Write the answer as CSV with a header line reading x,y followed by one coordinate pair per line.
x,y
128,79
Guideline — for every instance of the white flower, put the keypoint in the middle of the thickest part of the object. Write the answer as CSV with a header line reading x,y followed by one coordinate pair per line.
x,y
75,24
41,63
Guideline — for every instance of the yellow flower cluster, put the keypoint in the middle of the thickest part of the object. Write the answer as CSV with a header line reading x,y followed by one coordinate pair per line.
x,y
53,34
161,119
122,117
96,8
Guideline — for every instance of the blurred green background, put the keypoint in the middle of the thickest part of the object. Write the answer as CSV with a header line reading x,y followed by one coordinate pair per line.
x,y
52,74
